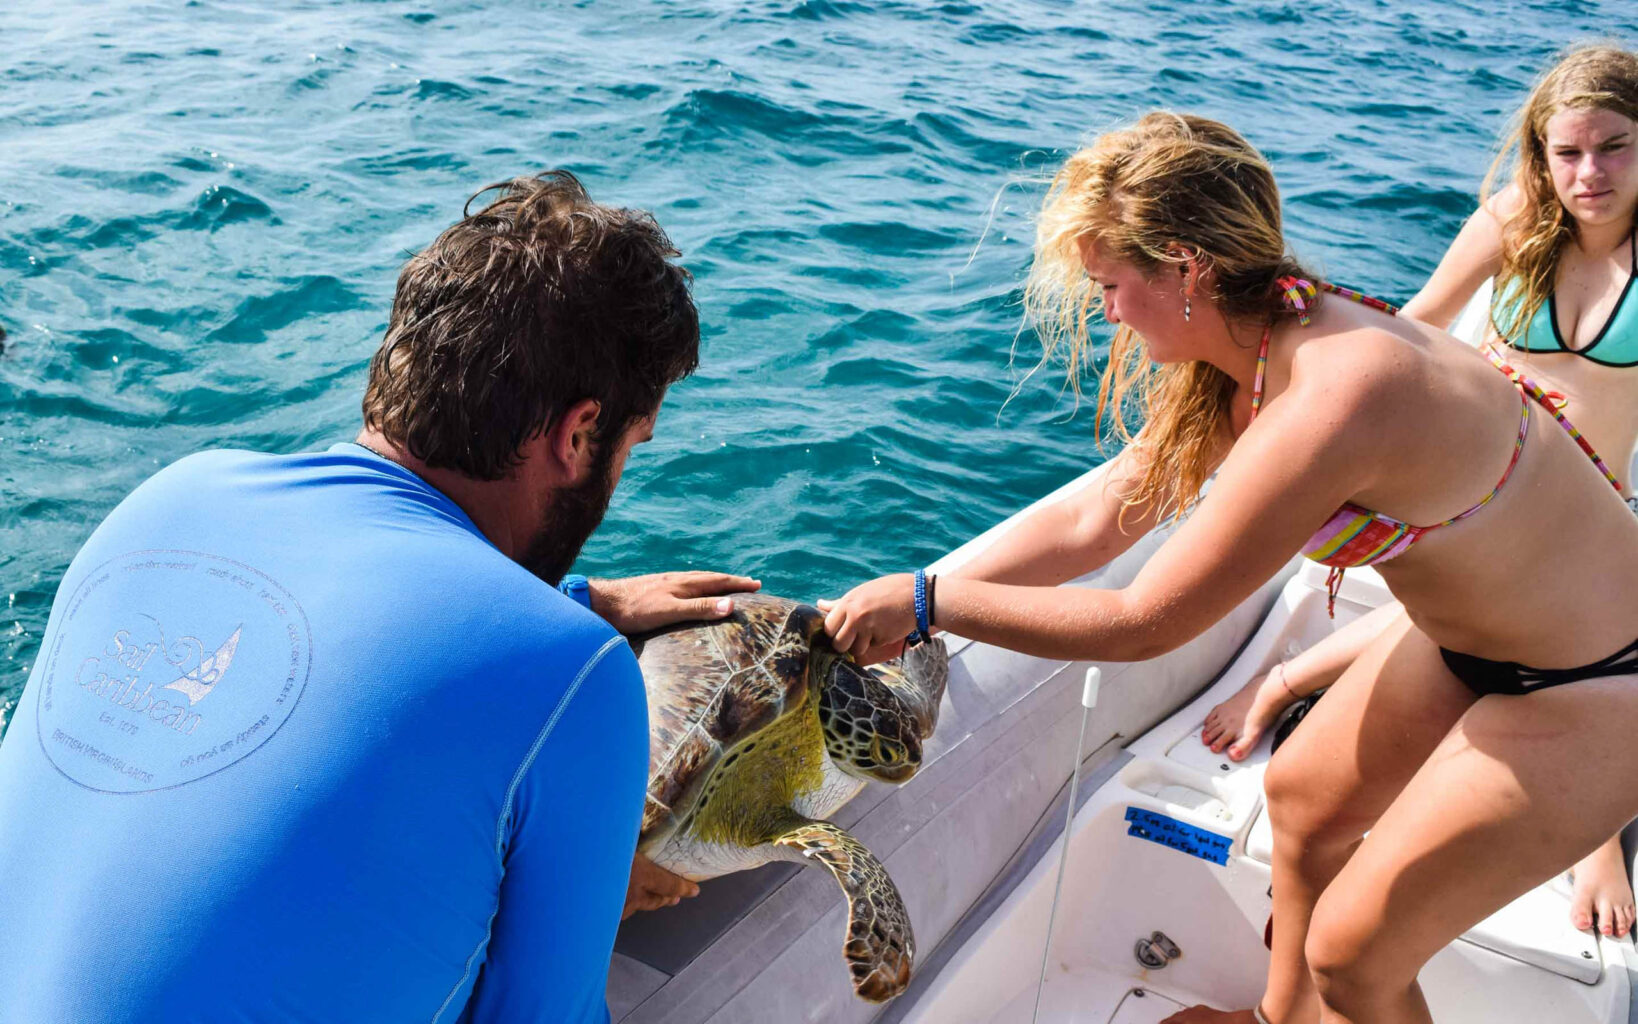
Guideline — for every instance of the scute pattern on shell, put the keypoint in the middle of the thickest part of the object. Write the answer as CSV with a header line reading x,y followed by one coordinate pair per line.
x,y
710,686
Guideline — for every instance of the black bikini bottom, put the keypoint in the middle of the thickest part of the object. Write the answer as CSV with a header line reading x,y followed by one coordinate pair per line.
x,y
1484,676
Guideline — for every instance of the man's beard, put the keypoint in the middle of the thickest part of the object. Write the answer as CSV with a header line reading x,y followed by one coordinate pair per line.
x,y
569,520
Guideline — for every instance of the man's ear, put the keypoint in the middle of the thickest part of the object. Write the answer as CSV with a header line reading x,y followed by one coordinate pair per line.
x,y
571,443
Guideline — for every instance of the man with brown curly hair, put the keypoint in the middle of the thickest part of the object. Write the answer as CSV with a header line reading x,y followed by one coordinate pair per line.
x,y
333,735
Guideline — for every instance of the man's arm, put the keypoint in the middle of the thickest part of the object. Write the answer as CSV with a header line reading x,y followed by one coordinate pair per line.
x,y
571,834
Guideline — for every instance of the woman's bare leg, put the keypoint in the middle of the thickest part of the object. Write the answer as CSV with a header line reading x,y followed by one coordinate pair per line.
x,y
1328,784
1506,800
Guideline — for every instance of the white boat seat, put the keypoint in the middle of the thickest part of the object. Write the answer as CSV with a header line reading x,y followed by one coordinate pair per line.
x,y
1534,928
1362,586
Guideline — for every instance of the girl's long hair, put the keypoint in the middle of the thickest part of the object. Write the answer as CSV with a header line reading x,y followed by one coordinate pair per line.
x,y
1169,189
1587,78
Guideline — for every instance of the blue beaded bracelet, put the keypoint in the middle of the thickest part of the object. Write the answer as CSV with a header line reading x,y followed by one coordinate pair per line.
x,y
921,635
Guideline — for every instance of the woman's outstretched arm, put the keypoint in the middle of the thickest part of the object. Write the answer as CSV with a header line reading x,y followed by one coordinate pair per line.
x,y
1302,458
1071,537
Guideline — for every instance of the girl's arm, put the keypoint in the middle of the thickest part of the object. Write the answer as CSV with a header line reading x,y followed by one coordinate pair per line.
x,y
1237,724
1057,542
1306,455
1473,256
1323,664
1072,537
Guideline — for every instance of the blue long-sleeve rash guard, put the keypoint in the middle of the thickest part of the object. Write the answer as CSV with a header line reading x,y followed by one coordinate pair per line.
x,y
301,745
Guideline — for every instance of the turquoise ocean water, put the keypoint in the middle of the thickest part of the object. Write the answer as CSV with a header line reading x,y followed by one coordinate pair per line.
x,y
203,206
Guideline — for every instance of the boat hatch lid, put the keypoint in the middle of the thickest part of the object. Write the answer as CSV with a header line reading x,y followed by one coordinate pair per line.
x,y
1534,928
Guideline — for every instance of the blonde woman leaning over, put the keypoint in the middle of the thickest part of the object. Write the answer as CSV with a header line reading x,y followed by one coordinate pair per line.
x,y
1560,241
1173,228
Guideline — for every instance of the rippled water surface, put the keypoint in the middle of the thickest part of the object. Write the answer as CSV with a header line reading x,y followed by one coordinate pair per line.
x,y
203,206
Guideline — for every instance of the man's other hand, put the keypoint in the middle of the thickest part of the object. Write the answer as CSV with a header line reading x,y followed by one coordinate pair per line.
x,y
638,604
652,887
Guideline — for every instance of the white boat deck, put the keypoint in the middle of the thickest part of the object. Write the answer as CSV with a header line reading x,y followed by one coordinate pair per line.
x,y
1525,963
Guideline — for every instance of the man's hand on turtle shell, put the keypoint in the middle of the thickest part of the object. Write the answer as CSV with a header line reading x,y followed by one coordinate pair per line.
x,y
638,604
652,887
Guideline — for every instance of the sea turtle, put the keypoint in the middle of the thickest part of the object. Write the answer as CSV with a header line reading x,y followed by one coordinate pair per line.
x,y
759,729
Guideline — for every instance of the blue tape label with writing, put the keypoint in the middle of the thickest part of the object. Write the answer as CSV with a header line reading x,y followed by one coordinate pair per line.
x,y
1181,836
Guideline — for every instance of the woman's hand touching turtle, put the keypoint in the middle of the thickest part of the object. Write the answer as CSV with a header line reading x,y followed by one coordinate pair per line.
x,y
871,621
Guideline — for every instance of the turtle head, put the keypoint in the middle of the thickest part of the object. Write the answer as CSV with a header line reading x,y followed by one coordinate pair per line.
x,y
875,719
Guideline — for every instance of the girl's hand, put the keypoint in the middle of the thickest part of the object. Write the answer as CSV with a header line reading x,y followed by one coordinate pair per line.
x,y
871,621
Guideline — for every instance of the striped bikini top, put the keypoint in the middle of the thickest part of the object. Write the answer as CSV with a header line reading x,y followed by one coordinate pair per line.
x,y
1356,536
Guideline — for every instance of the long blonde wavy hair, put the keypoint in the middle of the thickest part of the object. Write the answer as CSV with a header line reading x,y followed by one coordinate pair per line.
x,y
1590,77
1169,189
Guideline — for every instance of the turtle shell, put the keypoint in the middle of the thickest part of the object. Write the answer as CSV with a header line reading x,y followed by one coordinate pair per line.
x,y
713,685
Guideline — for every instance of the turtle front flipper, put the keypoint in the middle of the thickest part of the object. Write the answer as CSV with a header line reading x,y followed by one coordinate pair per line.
x,y
880,947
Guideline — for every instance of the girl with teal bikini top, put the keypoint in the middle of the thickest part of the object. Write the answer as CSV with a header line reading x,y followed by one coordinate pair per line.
x,y
1616,343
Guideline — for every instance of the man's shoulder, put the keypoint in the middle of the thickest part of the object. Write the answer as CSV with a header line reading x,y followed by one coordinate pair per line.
x,y
169,502
211,463
213,471
556,629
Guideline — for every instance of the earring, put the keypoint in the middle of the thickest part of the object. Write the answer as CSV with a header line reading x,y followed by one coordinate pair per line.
x,y
1185,308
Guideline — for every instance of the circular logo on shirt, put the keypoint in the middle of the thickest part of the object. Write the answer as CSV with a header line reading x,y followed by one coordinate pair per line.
x,y
166,667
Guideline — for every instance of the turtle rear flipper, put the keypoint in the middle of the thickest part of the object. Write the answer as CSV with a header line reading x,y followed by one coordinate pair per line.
x,y
880,947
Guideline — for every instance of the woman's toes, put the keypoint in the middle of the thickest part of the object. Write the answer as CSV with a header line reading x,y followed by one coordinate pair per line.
x,y
1581,912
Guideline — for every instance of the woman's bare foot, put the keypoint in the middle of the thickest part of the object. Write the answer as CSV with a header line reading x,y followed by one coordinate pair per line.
x,y
1239,722
1602,888
652,887
1207,1015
